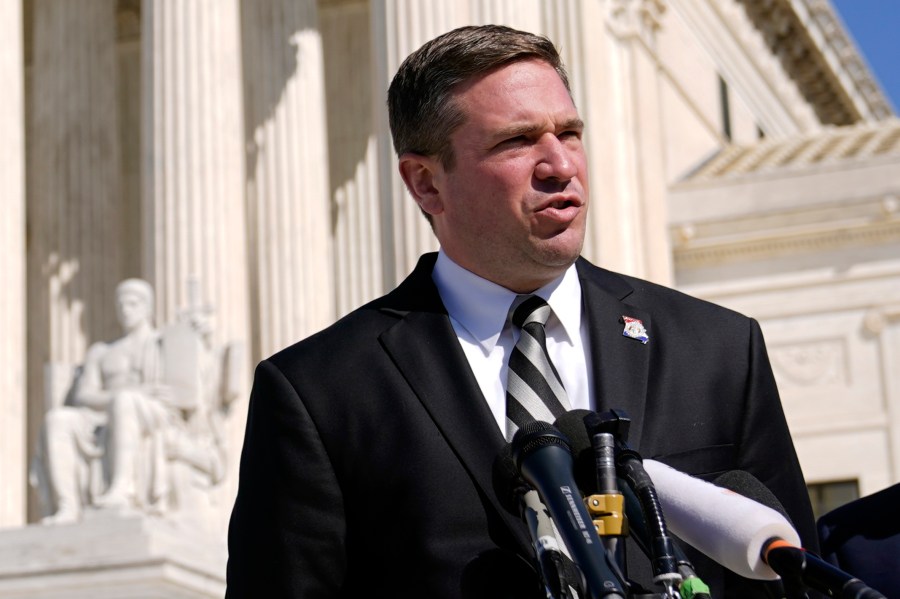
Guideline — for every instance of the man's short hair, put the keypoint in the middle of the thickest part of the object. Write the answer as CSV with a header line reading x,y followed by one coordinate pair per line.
x,y
421,109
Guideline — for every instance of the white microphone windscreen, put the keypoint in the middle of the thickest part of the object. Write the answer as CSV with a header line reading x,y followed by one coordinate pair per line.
x,y
726,526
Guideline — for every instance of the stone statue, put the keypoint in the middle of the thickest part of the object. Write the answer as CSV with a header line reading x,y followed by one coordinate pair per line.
x,y
142,426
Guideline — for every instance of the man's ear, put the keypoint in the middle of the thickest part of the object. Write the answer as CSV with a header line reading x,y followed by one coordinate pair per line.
x,y
422,175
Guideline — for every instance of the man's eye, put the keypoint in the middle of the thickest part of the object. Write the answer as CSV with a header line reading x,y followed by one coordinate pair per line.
x,y
518,139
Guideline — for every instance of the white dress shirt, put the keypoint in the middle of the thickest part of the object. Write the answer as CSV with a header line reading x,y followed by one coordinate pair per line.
x,y
479,311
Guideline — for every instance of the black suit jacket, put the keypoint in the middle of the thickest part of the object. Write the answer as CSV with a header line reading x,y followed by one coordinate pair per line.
x,y
367,461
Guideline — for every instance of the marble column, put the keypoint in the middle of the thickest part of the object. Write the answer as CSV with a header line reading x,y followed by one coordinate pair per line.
x,y
74,208
622,109
526,15
291,255
352,157
563,22
193,187
193,210
398,28
13,453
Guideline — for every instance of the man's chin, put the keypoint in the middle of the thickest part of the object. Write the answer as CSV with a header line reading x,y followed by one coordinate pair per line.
x,y
559,252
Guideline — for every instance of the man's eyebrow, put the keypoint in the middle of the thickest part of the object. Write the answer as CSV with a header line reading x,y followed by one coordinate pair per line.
x,y
516,129
573,123
528,128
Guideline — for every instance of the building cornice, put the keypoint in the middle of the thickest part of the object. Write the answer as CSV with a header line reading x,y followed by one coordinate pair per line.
x,y
816,51
693,253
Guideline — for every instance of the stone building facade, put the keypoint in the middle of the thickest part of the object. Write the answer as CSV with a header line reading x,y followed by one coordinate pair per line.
x,y
739,150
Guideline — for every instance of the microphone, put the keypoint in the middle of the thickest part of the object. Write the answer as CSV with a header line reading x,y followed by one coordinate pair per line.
x,y
799,566
644,515
542,455
740,524
560,576
795,565
726,526
629,466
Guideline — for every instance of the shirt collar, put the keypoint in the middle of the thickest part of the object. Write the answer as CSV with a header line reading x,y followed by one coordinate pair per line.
x,y
481,307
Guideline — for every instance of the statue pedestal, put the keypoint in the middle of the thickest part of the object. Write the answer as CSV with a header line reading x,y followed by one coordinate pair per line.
x,y
111,555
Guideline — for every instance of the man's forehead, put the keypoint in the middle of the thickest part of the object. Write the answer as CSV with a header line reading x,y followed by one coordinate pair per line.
x,y
463,87
513,100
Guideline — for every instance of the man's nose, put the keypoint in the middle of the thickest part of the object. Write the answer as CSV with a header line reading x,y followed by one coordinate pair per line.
x,y
556,161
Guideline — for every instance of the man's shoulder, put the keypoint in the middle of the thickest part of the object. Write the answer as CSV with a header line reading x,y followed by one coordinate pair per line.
x,y
360,328
366,322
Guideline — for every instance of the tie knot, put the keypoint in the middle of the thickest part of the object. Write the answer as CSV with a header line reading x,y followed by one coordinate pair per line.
x,y
532,309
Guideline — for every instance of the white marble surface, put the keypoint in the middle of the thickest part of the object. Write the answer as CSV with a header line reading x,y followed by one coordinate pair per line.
x,y
290,239
193,157
12,265
111,556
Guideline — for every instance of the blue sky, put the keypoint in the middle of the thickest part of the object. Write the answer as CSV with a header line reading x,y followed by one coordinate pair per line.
x,y
875,27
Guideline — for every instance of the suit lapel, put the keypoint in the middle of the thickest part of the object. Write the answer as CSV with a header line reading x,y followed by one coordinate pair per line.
x,y
424,347
620,364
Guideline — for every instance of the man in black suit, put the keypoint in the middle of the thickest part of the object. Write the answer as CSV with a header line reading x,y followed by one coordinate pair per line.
x,y
367,464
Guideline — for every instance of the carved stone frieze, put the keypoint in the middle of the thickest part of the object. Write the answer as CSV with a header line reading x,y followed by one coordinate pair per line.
x,y
812,363
693,251
642,18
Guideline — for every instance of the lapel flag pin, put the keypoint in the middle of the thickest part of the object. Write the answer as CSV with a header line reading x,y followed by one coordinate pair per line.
x,y
634,328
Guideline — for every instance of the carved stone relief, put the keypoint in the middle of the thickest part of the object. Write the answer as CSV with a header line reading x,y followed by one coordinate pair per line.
x,y
813,363
641,18
140,426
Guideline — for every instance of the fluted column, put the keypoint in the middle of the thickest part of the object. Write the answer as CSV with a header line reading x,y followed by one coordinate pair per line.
x,y
194,217
526,15
563,22
289,231
352,159
193,163
74,207
398,28
12,263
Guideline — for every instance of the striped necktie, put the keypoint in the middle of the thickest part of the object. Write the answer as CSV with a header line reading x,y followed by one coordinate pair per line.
x,y
534,390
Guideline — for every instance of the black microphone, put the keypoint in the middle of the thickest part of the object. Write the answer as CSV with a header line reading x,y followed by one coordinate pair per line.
x,y
796,566
542,455
629,467
560,576
644,519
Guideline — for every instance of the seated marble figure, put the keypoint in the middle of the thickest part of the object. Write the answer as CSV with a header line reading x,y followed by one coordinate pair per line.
x,y
142,425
